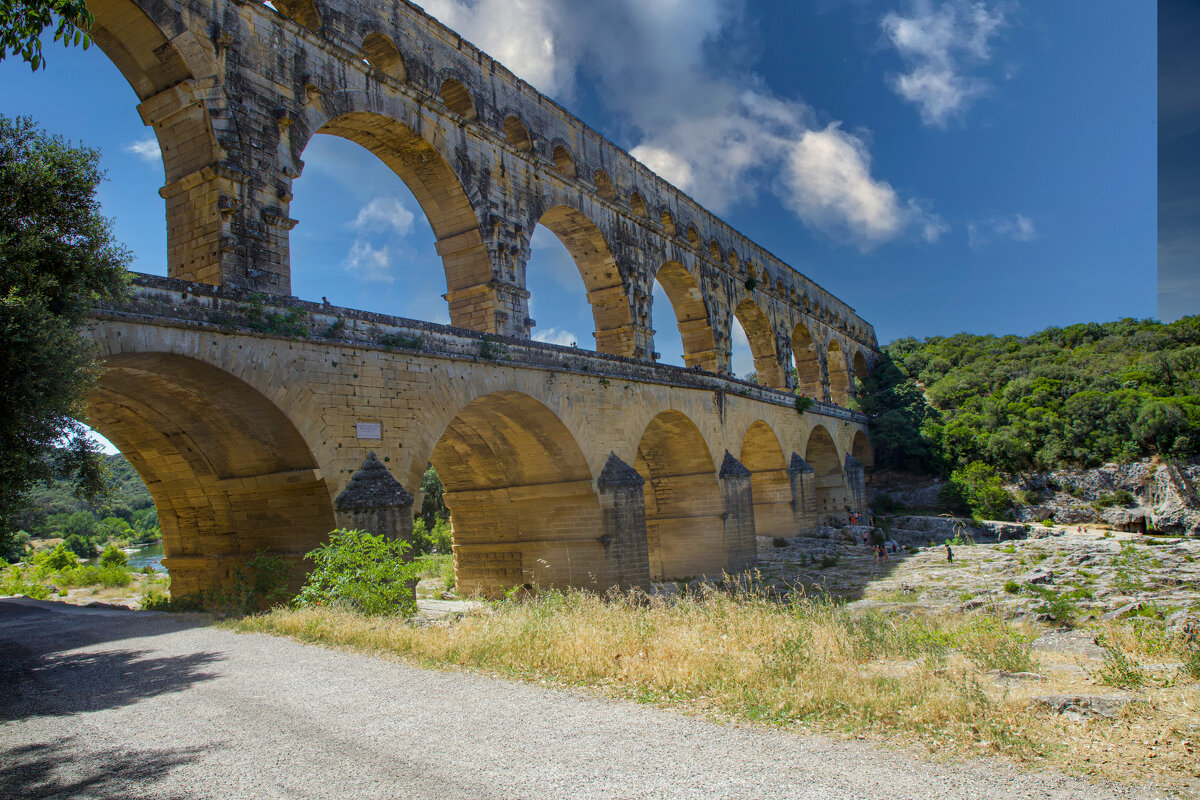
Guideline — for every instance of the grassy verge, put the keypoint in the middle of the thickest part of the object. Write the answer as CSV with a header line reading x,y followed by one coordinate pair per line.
x,y
807,664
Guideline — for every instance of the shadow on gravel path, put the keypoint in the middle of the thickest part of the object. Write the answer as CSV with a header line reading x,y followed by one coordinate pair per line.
x,y
57,660
58,685
59,770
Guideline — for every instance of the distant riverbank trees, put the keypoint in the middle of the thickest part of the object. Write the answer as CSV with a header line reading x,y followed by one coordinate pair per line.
x,y
1078,396
124,514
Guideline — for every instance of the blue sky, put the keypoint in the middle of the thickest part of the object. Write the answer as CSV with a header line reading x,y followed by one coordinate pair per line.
x,y
940,165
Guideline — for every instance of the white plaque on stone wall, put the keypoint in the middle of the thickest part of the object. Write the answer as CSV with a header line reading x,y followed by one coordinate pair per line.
x,y
369,430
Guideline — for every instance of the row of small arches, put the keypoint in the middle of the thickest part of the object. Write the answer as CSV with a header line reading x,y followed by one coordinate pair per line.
x,y
382,54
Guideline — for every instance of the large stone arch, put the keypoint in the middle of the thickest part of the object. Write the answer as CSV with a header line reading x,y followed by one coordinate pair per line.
x,y
229,472
141,39
684,503
691,315
808,362
520,497
606,291
839,374
163,62
861,369
829,480
763,456
762,343
445,202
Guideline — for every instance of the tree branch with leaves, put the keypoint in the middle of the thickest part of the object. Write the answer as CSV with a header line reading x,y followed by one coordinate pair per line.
x,y
23,23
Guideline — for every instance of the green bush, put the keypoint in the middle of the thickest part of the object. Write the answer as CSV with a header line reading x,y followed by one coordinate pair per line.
x,y
113,556
363,572
15,581
110,577
1058,607
61,557
157,600
84,548
1012,587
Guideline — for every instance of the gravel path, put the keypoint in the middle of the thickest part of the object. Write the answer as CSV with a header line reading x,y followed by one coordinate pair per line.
x,y
106,704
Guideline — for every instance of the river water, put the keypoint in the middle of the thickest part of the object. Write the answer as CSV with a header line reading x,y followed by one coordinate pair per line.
x,y
149,556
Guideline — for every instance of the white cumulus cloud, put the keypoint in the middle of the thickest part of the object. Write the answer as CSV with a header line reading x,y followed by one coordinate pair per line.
x,y
685,100
369,263
384,214
145,149
829,175
557,336
939,44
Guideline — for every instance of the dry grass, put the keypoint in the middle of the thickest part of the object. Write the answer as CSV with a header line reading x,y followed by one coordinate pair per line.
x,y
806,664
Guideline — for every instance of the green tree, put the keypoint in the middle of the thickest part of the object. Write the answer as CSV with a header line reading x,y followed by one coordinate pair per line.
x,y
432,506
57,258
22,23
113,556
979,487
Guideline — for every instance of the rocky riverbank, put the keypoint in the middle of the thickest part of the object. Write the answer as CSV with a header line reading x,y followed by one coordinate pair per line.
x,y
1145,495
1024,572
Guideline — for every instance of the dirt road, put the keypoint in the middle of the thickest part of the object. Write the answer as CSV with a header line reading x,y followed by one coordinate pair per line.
x,y
121,704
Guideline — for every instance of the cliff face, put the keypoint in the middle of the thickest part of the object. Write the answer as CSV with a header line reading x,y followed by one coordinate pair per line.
x,y
1161,496
1147,494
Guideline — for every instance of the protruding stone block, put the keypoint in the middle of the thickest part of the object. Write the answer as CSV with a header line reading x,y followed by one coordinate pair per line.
x,y
740,547
374,501
623,525
856,485
802,477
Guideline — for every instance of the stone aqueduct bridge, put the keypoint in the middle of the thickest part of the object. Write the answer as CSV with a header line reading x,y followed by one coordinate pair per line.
x,y
251,414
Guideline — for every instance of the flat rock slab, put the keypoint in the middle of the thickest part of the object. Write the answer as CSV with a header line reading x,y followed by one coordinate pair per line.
x,y
106,704
1076,643
1081,707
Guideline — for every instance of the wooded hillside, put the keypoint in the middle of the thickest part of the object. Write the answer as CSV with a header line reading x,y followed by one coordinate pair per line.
x,y
1075,396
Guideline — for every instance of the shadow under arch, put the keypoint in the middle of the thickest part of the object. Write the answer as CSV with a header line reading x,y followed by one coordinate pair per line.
x,y
770,487
520,496
808,363
829,479
684,506
860,448
441,196
839,375
606,292
691,315
229,473
762,343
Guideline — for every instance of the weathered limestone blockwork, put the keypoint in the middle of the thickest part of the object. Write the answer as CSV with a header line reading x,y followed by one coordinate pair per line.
x,y
235,92
802,481
246,439
740,547
375,502
856,488
627,559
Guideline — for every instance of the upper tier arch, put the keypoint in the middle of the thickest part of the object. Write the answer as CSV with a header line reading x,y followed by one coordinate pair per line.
x,y
302,70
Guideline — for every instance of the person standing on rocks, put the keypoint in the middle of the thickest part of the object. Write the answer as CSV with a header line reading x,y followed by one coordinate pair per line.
x,y
949,553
